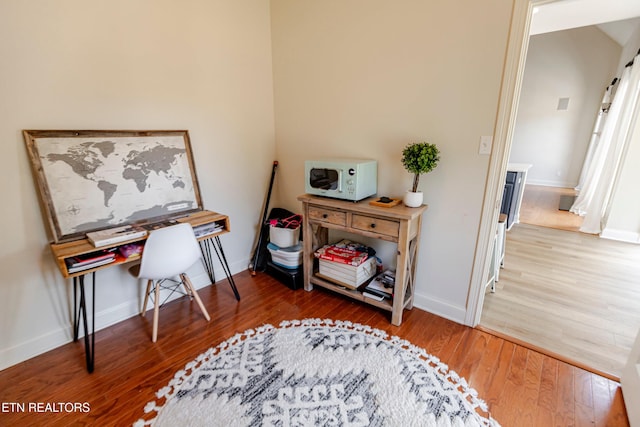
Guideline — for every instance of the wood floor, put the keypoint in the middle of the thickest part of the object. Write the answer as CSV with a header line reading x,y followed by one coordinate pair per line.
x,y
521,387
572,294
540,207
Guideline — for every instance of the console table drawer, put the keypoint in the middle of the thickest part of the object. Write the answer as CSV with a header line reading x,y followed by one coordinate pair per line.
x,y
328,215
376,225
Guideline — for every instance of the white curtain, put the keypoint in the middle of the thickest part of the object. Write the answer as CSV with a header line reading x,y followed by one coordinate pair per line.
x,y
592,202
597,130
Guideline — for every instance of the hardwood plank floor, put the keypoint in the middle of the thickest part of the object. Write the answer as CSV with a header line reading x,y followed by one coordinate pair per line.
x,y
540,207
522,387
572,294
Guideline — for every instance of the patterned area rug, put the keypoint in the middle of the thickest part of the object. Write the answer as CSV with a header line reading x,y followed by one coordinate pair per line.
x,y
316,373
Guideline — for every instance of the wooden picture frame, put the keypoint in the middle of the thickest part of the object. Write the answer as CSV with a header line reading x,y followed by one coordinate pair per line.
x,y
89,180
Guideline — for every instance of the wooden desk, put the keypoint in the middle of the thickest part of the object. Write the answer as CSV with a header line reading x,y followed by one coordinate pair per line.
x,y
62,251
398,224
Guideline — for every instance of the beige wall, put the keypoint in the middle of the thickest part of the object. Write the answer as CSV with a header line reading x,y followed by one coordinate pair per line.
x,y
204,66
365,78
350,78
623,222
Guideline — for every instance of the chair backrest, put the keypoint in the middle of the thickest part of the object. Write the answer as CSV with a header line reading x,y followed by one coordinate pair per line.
x,y
169,251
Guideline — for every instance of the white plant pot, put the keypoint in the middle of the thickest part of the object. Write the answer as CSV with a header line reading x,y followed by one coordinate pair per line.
x,y
413,200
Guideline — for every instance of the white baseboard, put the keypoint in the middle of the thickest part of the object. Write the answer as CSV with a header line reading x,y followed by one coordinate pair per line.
x,y
33,347
440,308
549,183
621,235
104,318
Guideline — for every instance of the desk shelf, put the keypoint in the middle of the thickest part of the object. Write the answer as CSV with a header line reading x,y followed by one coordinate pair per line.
x,y
62,251
351,293
385,304
398,224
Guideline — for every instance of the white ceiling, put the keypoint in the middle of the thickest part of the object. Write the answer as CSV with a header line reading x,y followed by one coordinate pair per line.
x,y
617,18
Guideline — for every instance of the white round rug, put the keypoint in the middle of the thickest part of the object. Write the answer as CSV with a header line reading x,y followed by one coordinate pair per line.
x,y
316,372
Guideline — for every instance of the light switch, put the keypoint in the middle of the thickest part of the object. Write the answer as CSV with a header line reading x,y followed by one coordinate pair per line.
x,y
485,145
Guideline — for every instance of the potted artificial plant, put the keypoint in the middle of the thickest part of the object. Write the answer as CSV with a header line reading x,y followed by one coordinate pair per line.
x,y
418,158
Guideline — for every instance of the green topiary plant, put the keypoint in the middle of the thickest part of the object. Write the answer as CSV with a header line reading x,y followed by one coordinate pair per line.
x,y
419,158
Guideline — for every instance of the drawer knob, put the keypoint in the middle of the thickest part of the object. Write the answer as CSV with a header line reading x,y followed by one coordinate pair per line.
x,y
373,225
324,216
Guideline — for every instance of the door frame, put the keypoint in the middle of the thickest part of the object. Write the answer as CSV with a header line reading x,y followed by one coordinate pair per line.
x,y
517,45
630,383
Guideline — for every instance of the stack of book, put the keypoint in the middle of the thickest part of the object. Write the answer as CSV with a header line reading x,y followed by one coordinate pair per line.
x,y
112,236
381,287
207,229
344,253
88,261
346,263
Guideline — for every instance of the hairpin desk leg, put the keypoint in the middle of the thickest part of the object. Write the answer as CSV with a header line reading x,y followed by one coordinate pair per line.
x,y
76,321
208,261
81,311
225,265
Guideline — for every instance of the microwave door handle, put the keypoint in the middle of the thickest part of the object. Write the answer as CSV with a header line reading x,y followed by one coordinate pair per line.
x,y
339,180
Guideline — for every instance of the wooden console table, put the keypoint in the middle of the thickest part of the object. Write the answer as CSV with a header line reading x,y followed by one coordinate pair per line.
x,y
398,224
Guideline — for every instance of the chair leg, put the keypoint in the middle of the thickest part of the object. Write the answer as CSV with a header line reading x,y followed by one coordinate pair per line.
x,y
156,311
187,282
186,288
146,298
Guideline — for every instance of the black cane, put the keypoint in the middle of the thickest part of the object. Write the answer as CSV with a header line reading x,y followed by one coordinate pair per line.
x,y
261,236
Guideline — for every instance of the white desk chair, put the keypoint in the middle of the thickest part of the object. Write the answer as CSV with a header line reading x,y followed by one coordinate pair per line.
x,y
168,252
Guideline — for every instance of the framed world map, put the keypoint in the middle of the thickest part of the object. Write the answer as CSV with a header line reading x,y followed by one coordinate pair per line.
x,y
92,180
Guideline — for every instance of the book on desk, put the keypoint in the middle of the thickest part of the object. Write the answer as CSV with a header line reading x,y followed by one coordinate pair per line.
x,y
207,229
112,236
91,260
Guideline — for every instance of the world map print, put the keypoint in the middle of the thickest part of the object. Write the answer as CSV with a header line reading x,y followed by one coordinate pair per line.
x,y
108,182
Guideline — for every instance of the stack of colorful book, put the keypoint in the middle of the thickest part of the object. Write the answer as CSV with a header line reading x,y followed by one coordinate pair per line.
x,y
346,263
90,260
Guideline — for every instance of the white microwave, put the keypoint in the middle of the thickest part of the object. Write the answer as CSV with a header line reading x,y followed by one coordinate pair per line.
x,y
348,179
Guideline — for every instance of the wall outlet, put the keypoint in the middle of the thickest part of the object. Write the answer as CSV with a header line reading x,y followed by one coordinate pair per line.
x,y
485,145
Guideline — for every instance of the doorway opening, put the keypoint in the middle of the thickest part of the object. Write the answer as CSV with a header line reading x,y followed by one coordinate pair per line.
x,y
559,291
